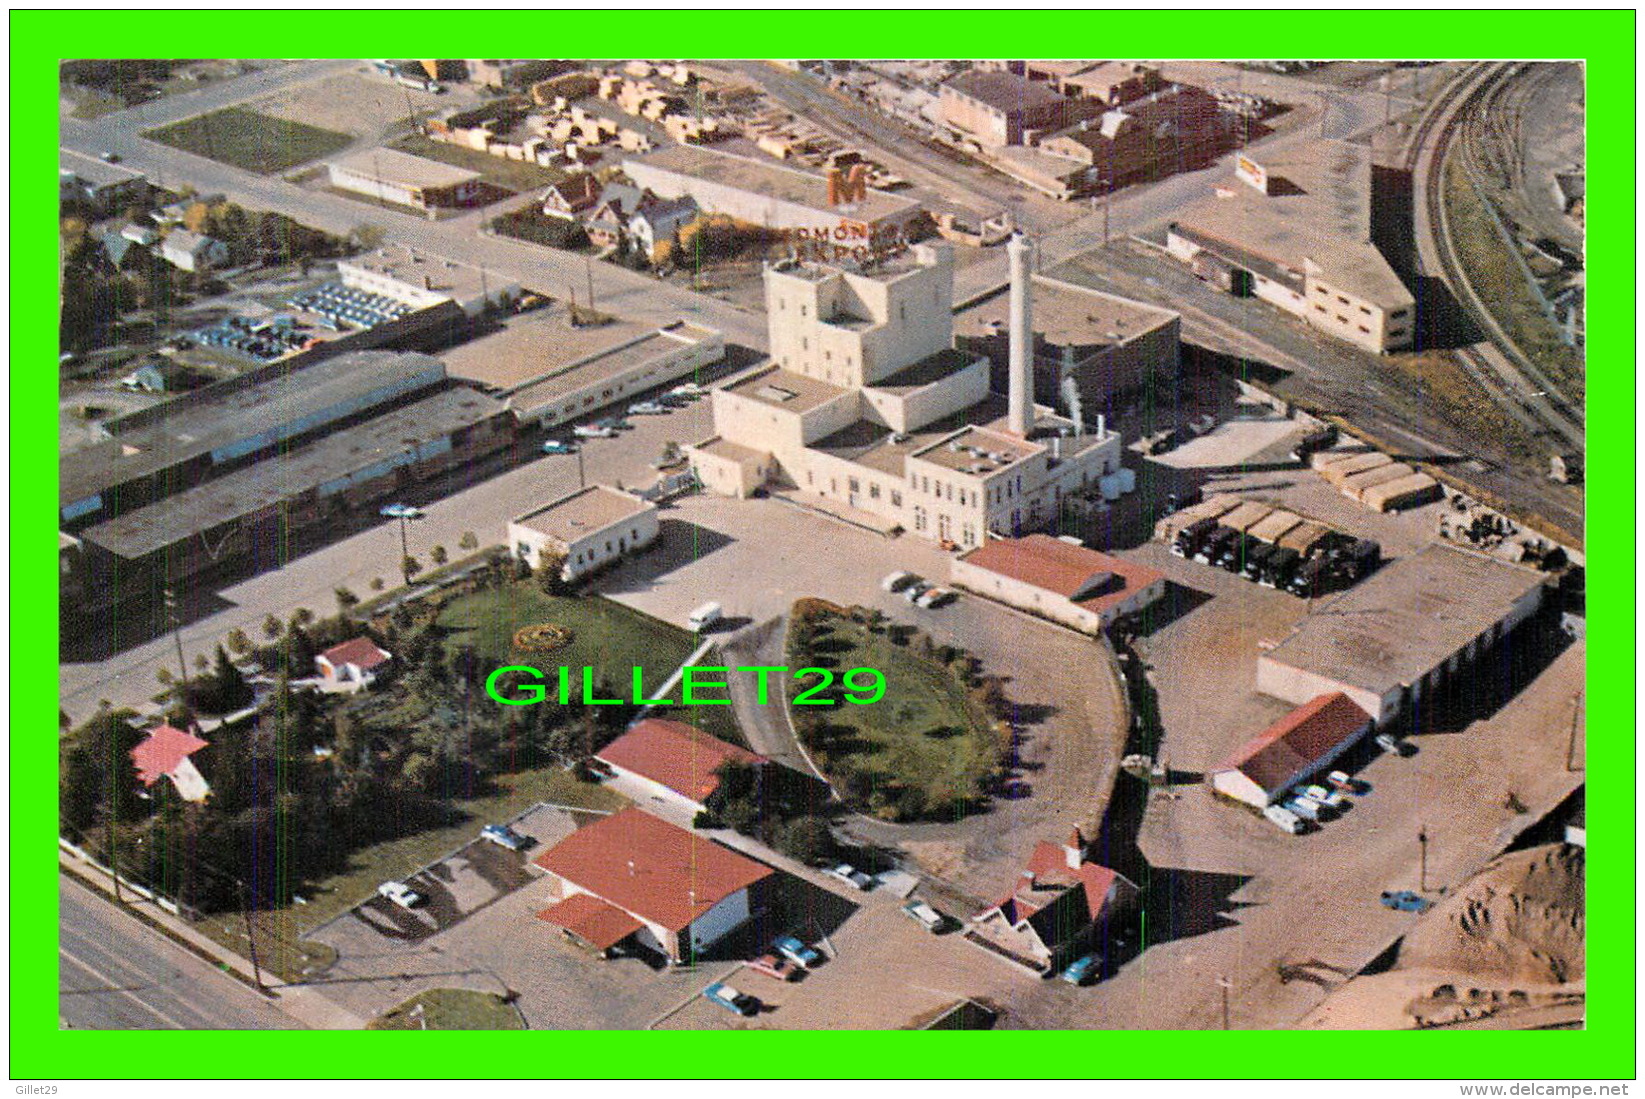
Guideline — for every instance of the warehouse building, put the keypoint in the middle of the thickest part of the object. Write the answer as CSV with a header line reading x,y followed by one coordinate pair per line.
x,y
633,878
589,529
1404,632
171,447
621,370
256,512
1296,233
1293,749
404,179
1001,108
867,407
1066,583
421,280
767,195
1113,348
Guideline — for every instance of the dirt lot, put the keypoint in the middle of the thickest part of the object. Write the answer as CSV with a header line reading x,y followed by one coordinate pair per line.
x,y
365,106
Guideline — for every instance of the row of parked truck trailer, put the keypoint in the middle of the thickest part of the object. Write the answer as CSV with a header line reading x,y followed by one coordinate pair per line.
x,y
1269,546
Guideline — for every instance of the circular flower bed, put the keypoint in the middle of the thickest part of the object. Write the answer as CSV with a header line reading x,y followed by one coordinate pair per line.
x,y
543,638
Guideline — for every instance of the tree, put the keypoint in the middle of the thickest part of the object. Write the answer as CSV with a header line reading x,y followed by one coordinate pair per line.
x,y
807,839
411,566
438,555
346,600
239,644
201,662
273,627
302,616
376,583
233,691
468,541
549,574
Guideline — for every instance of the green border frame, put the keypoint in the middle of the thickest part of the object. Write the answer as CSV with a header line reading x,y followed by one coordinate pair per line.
x,y
1606,1049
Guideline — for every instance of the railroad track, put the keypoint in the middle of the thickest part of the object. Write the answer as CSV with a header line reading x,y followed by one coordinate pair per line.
x,y
1514,382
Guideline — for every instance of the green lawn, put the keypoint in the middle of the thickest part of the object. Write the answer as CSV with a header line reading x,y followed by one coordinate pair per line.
x,y
370,866
923,734
608,637
252,141
451,1009
511,175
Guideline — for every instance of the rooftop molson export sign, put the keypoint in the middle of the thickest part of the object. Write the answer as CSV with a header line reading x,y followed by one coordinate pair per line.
x,y
850,239
859,686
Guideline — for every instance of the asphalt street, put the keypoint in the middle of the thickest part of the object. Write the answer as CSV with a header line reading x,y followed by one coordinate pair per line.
x,y
116,974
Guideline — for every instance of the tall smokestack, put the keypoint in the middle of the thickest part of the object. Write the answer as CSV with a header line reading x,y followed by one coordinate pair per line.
x,y
1021,383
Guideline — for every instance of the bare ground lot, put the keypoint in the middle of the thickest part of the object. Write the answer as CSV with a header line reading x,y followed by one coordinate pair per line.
x,y
361,105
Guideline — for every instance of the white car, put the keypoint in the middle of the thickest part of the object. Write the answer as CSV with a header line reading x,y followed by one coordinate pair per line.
x,y
935,597
851,876
689,389
593,431
897,581
647,408
400,893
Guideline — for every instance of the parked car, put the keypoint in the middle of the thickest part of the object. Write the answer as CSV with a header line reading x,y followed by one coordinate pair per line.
x,y
926,916
687,389
593,431
1083,970
773,966
1317,792
704,617
1306,808
616,423
851,876
400,511
400,893
504,836
1284,818
739,1003
110,157
796,951
1348,784
1199,425
1406,901
935,597
647,408
918,588
897,581
1389,743
555,446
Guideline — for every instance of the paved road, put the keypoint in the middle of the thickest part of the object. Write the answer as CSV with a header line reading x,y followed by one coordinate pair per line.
x,y
116,974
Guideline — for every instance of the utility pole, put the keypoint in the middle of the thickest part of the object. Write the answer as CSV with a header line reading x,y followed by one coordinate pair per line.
x,y
1570,749
1422,841
589,264
1225,984
176,634
114,864
251,938
405,552
581,482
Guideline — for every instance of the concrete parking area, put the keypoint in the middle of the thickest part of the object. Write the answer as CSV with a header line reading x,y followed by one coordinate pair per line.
x,y
1067,709
882,971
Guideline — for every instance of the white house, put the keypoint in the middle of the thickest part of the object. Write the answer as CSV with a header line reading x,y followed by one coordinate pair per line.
x,y
590,528
191,251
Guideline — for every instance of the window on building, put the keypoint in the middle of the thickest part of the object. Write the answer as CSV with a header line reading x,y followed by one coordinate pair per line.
x,y
1341,319
873,492
608,547
902,313
802,311
968,535
805,344
1318,308
1342,299
896,498
1365,309
851,483
1362,328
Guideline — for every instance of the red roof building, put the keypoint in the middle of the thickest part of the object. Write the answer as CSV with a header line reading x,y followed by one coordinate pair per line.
x,y
1066,583
1060,900
1292,749
354,661
685,891
165,754
674,757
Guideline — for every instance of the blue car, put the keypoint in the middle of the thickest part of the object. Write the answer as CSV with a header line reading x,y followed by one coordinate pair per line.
x,y
504,836
555,446
1083,970
739,1003
1406,901
797,952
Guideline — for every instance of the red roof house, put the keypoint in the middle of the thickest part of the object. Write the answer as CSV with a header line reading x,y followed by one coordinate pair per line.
x,y
353,661
1058,902
165,754
685,891
677,758
1292,749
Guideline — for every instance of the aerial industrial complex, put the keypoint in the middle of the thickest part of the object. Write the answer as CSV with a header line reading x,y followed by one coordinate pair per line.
x,y
820,545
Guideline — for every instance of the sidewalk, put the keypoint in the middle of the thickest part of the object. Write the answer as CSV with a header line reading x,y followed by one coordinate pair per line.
x,y
302,1003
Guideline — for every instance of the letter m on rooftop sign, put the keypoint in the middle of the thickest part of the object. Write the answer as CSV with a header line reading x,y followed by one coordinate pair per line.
x,y
848,186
